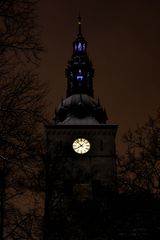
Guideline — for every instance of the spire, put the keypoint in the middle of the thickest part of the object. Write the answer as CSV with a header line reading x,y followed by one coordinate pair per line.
x,y
79,103
79,71
79,26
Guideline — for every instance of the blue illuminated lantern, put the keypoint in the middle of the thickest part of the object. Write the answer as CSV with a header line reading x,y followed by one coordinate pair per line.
x,y
79,71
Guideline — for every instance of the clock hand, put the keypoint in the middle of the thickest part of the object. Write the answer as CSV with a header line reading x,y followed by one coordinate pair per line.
x,y
78,146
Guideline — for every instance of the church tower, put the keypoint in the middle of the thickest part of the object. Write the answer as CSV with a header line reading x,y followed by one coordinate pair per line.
x,y
81,156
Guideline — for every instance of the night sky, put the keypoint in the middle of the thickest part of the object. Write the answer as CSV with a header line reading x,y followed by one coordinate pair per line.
x,y
124,46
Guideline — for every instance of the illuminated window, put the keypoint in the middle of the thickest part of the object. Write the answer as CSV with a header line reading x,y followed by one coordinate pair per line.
x,y
84,46
79,47
71,74
88,74
79,76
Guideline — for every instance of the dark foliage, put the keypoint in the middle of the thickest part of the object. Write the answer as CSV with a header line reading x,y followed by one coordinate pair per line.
x,y
21,121
139,167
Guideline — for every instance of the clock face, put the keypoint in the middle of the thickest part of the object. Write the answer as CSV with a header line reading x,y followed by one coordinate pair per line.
x,y
81,145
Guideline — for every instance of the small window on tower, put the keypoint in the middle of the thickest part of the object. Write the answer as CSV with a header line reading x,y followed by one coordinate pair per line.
x,y
71,75
88,75
84,47
79,76
68,188
101,145
79,47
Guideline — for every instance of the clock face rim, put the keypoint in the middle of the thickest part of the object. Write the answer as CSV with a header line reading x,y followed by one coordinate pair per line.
x,y
81,145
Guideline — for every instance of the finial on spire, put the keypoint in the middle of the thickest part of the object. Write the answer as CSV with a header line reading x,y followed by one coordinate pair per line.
x,y
79,26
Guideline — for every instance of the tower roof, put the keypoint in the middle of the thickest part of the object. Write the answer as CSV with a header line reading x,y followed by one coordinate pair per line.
x,y
80,109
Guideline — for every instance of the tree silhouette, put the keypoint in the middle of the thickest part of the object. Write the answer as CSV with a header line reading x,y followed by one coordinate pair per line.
x,y
21,120
139,168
